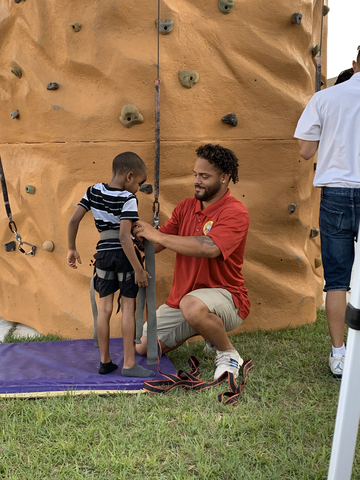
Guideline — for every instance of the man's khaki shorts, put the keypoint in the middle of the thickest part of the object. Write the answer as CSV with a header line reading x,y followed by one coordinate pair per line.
x,y
172,327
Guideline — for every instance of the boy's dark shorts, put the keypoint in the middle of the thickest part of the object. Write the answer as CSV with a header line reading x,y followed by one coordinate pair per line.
x,y
115,261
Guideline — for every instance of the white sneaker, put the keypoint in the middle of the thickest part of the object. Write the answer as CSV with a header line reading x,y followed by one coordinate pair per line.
x,y
209,348
228,361
336,363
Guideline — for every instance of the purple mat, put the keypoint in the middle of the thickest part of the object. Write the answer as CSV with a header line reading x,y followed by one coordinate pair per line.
x,y
67,365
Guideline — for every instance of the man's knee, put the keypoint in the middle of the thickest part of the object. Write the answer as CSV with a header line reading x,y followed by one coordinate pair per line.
x,y
141,348
193,310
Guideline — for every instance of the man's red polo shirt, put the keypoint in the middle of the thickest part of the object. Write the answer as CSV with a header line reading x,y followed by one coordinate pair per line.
x,y
227,223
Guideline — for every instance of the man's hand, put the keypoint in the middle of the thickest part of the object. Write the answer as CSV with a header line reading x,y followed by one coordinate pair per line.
x,y
141,278
145,230
72,256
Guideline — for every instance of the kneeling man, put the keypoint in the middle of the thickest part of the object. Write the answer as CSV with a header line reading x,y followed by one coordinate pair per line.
x,y
208,232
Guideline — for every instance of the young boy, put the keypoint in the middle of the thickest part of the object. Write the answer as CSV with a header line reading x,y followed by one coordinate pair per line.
x,y
114,206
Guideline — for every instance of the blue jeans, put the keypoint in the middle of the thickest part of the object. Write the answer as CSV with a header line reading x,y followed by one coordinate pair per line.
x,y
339,224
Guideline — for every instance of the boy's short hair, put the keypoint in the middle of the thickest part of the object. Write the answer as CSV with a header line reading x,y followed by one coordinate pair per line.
x,y
358,56
128,162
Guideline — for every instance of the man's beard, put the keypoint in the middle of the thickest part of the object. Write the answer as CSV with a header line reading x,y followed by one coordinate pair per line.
x,y
208,193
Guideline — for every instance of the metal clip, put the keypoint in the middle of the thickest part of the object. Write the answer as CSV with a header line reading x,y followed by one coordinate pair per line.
x,y
156,210
30,252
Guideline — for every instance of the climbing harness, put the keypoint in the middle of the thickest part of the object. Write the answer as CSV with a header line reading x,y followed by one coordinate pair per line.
x,y
146,296
156,204
191,381
318,58
12,224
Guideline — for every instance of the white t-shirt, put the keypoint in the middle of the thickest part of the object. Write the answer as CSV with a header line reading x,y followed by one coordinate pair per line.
x,y
332,116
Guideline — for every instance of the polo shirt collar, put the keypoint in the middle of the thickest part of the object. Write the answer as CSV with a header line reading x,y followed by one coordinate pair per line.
x,y
212,208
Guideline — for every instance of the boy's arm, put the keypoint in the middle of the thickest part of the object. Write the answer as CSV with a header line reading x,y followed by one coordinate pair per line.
x,y
75,220
127,244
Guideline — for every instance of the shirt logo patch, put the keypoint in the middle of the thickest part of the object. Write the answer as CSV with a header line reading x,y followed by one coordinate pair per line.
x,y
207,227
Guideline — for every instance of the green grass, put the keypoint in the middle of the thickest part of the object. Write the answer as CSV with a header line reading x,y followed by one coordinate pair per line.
x,y
281,429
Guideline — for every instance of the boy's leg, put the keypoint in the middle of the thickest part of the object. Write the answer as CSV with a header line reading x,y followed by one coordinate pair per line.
x,y
128,330
103,326
130,368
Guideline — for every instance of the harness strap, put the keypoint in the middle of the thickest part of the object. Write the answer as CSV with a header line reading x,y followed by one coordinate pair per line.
x,y
191,381
148,295
109,234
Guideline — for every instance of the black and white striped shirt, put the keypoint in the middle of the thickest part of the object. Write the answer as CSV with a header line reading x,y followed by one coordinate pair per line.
x,y
109,206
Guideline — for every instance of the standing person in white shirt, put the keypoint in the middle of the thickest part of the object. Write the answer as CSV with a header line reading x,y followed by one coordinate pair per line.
x,y
330,123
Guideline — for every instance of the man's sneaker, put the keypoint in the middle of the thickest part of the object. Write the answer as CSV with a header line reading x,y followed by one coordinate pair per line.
x,y
209,348
229,361
336,363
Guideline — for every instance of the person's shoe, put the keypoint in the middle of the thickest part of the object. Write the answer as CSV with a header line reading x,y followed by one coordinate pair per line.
x,y
336,363
229,361
209,348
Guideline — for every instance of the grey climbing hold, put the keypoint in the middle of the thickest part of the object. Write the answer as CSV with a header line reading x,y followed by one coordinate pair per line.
x,y
130,116
30,189
292,208
230,119
188,78
296,18
165,27
146,188
316,50
226,5
16,71
314,232
15,113
52,86
76,27
326,10
9,247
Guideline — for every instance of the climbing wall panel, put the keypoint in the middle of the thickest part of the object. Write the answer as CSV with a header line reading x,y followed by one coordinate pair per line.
x,y
253,62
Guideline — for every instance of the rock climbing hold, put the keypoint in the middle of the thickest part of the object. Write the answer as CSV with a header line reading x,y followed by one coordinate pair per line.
x,y
146,188
48,246
30,189
15,113
188,78
76,27
318,261
315,166
296,18
165,27
226,5
314,232
130,116
52,86
9,247
316,50
17,1
326,10
292,208
16,71
230,119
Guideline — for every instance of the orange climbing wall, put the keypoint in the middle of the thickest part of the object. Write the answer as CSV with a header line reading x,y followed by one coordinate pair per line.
x,y
253,62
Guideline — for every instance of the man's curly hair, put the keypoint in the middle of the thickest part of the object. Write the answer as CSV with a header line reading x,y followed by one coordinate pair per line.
x,y
223,158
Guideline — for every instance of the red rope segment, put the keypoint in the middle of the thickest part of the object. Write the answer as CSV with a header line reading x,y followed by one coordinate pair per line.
x,y
191,381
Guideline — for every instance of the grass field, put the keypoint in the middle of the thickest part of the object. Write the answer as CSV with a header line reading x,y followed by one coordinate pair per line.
x,y
281,429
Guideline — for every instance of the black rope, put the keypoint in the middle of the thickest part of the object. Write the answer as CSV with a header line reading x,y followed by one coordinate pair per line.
x,y
5,193
156,205
12,224
318,58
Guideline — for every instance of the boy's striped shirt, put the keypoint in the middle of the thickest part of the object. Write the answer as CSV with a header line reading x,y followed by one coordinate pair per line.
x,y
109,206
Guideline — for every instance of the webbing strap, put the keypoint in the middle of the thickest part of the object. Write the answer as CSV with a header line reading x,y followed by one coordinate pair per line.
x,y
148,295
94,310
5,193
109,234
191,381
